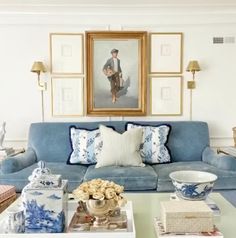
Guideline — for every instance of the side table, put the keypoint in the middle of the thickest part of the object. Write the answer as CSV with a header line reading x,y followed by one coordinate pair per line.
x,y
230,150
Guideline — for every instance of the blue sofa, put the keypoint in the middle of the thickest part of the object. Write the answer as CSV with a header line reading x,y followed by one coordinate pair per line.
x,y
188,144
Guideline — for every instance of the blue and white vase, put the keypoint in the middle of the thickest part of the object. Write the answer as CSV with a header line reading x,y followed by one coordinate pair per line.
x,y
44,201
15,221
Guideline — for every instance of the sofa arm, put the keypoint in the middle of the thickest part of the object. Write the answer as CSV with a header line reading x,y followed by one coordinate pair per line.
x,y
225,162
15,163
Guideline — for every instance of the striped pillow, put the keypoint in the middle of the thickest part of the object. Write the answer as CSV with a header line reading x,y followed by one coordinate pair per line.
x,y
86,145
153,149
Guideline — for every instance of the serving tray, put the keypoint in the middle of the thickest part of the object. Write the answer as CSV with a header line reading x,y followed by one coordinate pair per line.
x,y
72,206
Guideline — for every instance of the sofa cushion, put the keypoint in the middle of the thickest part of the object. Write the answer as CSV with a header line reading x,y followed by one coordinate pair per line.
x,y
74,173
226,179
132,178
153,149
86,145
120,149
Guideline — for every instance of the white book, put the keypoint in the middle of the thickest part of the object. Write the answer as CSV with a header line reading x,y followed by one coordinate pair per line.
x,y
230,150
6,151
160,232
211,204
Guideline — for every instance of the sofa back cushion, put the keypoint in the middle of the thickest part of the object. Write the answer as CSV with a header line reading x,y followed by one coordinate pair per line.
x,y
51,141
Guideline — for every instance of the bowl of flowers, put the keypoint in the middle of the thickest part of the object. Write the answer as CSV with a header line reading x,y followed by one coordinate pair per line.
x,y
101,198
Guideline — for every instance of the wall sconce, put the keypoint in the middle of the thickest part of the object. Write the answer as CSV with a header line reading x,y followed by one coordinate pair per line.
x,y
193,67
38,67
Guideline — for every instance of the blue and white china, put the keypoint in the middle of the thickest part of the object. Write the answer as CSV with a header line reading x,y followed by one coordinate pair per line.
x,y
153,149
193,185
44,201
38,172
15,220
42,177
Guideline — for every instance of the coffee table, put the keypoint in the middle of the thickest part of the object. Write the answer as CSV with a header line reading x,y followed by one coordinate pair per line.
x,y
146,206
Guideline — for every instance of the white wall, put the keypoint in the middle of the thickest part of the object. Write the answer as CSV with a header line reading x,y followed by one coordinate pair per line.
x,y
24,38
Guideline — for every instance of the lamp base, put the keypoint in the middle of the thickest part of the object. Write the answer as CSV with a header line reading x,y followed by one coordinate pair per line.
x,y
191,84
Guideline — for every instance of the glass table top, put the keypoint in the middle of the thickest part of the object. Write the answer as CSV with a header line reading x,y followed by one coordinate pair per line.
x,y
146,206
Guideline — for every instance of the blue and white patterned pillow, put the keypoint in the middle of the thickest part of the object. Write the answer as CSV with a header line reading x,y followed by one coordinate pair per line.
x,y
86,145
153,149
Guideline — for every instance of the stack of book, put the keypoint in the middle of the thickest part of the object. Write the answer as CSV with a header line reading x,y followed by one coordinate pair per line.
x,y
7,196
9,152
191,219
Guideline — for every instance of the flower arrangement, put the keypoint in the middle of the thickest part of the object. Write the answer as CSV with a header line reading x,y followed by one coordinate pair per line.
x,y
98,189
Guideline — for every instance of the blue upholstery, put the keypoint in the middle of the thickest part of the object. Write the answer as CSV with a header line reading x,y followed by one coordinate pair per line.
x,y
51,142
188,143
226,179
74,173
44,138
132,178
187,139
224,162
18,162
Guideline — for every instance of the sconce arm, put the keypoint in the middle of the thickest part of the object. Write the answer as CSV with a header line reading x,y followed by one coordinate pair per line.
x,y
42,85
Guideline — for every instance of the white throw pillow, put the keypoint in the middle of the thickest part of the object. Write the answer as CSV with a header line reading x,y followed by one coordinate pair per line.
x,y
120,149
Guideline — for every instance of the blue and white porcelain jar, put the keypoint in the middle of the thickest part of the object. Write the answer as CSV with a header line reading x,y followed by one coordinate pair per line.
x,y
15,220
44,201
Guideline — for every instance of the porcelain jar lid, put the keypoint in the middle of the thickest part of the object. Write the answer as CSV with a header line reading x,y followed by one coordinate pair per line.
x,y
42,170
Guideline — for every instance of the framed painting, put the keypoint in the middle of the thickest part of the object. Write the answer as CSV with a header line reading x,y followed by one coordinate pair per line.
x,y
116,73
67,96
166,53
166,95
67,53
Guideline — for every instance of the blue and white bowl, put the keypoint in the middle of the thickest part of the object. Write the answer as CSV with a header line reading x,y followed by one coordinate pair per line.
x,y
193,185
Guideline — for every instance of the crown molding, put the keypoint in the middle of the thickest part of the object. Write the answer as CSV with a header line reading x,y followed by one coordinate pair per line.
x,y
66,8
147,22
62,13
130,3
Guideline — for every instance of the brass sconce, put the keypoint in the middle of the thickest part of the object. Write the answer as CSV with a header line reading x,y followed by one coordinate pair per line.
x,y
38,67
193,67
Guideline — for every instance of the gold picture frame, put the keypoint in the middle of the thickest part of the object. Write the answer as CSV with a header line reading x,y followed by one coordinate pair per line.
x,y
166,95
166,53
67,96
116,73
67,53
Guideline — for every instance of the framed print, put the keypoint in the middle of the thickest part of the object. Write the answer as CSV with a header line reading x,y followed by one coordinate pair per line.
x,y
166,53
67,96
66,53
166,95
116,73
